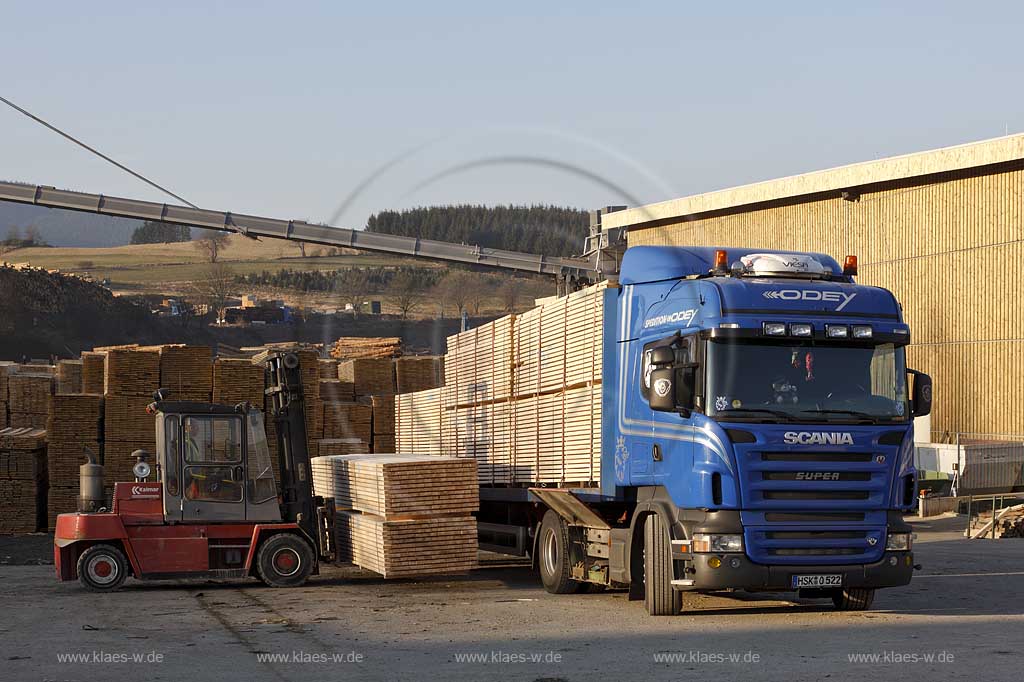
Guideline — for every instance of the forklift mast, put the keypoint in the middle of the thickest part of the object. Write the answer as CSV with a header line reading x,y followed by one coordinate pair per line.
x,y
284,388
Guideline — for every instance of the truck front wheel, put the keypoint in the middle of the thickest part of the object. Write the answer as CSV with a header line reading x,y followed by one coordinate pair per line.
x,y
659,597
284,560
553,556
853,599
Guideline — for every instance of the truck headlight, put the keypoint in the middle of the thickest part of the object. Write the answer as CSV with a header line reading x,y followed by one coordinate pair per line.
x,y
713,542
899,542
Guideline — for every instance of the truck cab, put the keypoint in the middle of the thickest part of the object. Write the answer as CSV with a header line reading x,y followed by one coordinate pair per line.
x,y
763,424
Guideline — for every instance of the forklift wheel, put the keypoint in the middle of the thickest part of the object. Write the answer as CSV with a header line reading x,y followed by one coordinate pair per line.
x,y
102,568
284,560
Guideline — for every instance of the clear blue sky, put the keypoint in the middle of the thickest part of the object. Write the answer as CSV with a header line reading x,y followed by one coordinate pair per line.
x,y
282,109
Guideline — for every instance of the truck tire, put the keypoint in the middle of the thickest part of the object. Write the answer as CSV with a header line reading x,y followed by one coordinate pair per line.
x,y
102,568
553,556
659,597
284,560
858,599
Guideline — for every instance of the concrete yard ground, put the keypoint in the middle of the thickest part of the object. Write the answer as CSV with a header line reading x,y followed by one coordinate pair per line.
x,y
961,618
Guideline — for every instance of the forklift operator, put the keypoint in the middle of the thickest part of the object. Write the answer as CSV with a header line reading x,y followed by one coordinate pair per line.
x,y
217,482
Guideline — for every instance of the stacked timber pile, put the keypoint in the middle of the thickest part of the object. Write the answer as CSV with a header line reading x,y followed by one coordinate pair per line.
x,y
337,390
187,371
131,376
76,422
22,480
94,367
383,423
347,420
522,396
342,446
238,380
6,369
355,347
421,423
422,373
29,396
69,376
369,376
1009,523
328,368
402,515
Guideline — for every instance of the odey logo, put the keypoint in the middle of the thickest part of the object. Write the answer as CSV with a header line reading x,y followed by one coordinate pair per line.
x,y
811,295
817,438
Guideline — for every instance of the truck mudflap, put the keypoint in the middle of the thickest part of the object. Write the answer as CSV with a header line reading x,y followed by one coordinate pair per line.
x,y
736,571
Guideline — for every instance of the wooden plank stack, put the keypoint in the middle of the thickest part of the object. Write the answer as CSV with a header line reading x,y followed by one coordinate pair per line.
x,y
347,420
337,390
69,376
76,421
94,369
370,376
187,371
421,373
522,396
238,380
353,347
126,427
131,371
383,423
342,446
328,368
29,396
22,480
6,369
402,515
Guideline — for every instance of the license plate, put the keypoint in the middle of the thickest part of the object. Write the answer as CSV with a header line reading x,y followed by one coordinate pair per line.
x,y
817,581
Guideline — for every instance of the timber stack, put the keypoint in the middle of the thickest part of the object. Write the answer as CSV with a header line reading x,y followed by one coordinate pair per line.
x,y
75,423
22,479
355,347
402,515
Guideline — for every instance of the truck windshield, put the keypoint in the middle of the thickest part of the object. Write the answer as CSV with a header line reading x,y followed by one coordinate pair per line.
x,y
749,380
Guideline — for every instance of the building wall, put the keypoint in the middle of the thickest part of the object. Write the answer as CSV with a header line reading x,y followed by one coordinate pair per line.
x,y
951,248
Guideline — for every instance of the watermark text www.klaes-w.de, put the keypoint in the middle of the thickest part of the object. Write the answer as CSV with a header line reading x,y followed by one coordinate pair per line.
x,y
110,657
708,657
900,657
311,657
500,657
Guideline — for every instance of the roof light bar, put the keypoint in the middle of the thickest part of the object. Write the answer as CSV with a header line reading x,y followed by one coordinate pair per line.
x,y
836,331
774,328
862,331
800,329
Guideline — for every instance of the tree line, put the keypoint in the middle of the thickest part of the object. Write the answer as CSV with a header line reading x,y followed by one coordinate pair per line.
x,y
547,230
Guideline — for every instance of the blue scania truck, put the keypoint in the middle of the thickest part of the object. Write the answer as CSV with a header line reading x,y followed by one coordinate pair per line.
x,y
757,435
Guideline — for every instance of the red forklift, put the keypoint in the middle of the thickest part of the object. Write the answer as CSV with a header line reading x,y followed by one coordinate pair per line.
x,y
213,509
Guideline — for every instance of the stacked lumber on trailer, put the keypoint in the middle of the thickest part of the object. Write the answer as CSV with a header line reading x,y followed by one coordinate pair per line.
x,y
402,515
352,347
347,420
69,376
76,422
22,480
187,371
93,372
420,373
522,396
29,396
369,376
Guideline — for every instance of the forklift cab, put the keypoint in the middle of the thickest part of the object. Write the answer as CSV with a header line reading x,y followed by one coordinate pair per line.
x,y
214,464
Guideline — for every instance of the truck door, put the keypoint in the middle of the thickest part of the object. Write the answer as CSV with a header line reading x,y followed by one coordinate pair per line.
x,y
261,490
213,473
168,437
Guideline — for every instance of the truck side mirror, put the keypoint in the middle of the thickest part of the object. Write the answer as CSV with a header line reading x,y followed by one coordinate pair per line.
x,y
673,388
921,393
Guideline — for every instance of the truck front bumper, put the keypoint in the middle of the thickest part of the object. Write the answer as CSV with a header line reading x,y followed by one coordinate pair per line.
x,y
739,572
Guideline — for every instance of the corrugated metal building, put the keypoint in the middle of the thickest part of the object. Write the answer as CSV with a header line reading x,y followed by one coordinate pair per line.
x,y
944,230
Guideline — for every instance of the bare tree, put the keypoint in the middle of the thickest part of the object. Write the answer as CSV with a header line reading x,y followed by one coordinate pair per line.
x,y
456,287
481,288
216,288
212,244
302,249
33,236
356,286
405,292
509,293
